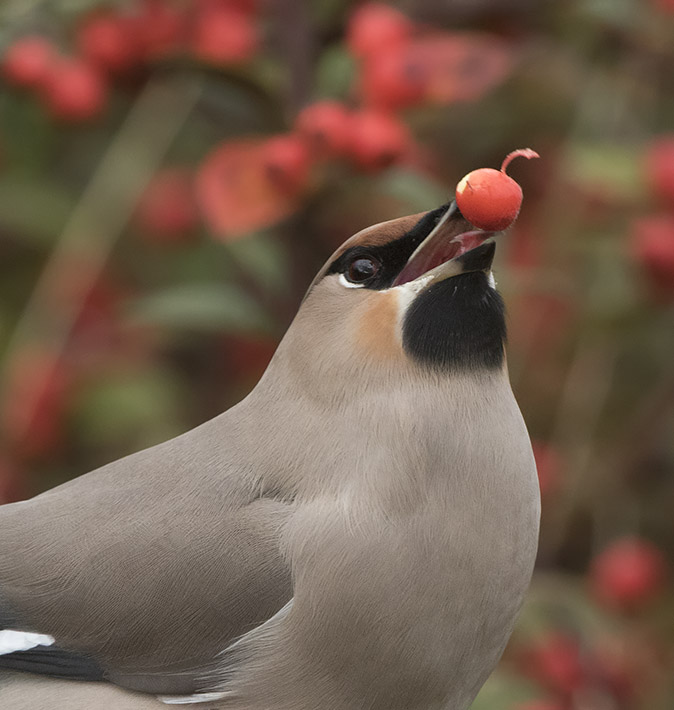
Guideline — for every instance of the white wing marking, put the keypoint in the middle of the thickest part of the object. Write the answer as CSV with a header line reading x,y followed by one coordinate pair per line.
x,y
11,641
189,699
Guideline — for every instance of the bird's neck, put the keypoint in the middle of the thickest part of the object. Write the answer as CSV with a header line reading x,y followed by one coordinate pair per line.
x,y
310,445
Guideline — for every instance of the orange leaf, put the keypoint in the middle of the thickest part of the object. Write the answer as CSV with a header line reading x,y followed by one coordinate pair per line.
x,y
237,192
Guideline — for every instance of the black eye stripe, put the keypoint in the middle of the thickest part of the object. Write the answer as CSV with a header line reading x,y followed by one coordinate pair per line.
x,y
392,256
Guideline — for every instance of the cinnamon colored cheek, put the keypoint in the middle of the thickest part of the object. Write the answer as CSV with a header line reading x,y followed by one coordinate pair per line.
x,y
377,328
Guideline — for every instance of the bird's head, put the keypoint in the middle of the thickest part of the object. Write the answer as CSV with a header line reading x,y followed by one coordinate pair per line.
x,y
414,294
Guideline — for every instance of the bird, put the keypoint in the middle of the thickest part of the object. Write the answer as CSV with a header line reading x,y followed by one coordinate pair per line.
x,y
359,532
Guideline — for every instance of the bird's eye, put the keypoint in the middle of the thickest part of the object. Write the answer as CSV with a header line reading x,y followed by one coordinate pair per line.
x,y
362,269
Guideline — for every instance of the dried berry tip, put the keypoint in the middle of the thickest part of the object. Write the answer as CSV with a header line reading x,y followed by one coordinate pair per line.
x,y
523,152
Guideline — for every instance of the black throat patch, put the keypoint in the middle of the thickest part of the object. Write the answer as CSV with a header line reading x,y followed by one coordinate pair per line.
x,y
457,324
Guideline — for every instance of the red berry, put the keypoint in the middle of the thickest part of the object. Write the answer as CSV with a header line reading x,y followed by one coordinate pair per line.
x,y
326,125
12,482
74,91
160,28
666,6
660,168
489,198
34,403
374,27
652,244
287,163
616,668
389,80
222,36
27,61
109,41
378,139
555,661
167,211
247,356
628,574
548,466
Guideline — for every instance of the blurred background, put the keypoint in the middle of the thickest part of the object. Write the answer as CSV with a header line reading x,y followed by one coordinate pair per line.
x,y
172,174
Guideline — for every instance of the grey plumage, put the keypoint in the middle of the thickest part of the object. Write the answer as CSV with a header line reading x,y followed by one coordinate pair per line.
x,y
359,532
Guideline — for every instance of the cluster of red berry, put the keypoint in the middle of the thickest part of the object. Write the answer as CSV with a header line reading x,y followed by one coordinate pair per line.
x,y
576,669
41,385
625,578
399,64
111,44
372,136
652,238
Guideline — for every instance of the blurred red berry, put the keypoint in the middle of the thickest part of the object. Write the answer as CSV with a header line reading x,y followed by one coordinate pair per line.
x,y
524,250
374,27
247,356
34,404
378,139
12,482
222,36
326,125
664,5
389,80
652,245
555,662
660,167
287,162
247,6
74,91
108,40
94,302
548,465
167,211
628,575
460,66
27,61
160,28
615,668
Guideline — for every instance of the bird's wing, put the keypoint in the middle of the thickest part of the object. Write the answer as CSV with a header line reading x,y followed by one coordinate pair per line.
x,y
142,571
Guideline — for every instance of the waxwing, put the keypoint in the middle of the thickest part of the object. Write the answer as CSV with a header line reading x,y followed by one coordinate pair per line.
x,y
357,534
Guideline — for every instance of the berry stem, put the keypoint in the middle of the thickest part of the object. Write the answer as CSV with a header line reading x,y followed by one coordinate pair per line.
x,y
523,152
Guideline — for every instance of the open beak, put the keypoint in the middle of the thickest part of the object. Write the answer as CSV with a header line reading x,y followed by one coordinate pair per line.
x,y
453,247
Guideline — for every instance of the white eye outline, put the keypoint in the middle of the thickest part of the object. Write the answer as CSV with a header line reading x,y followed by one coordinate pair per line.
x,y
349,284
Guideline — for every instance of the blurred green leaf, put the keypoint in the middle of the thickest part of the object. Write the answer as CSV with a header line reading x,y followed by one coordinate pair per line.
x,y
612,294
137,407
33,135
327,13
262,256
34,209
202,307
335,74
555,601
503,691
415,190
612,168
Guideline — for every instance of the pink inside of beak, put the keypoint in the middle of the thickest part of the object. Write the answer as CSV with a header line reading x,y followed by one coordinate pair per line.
x,y
438,251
